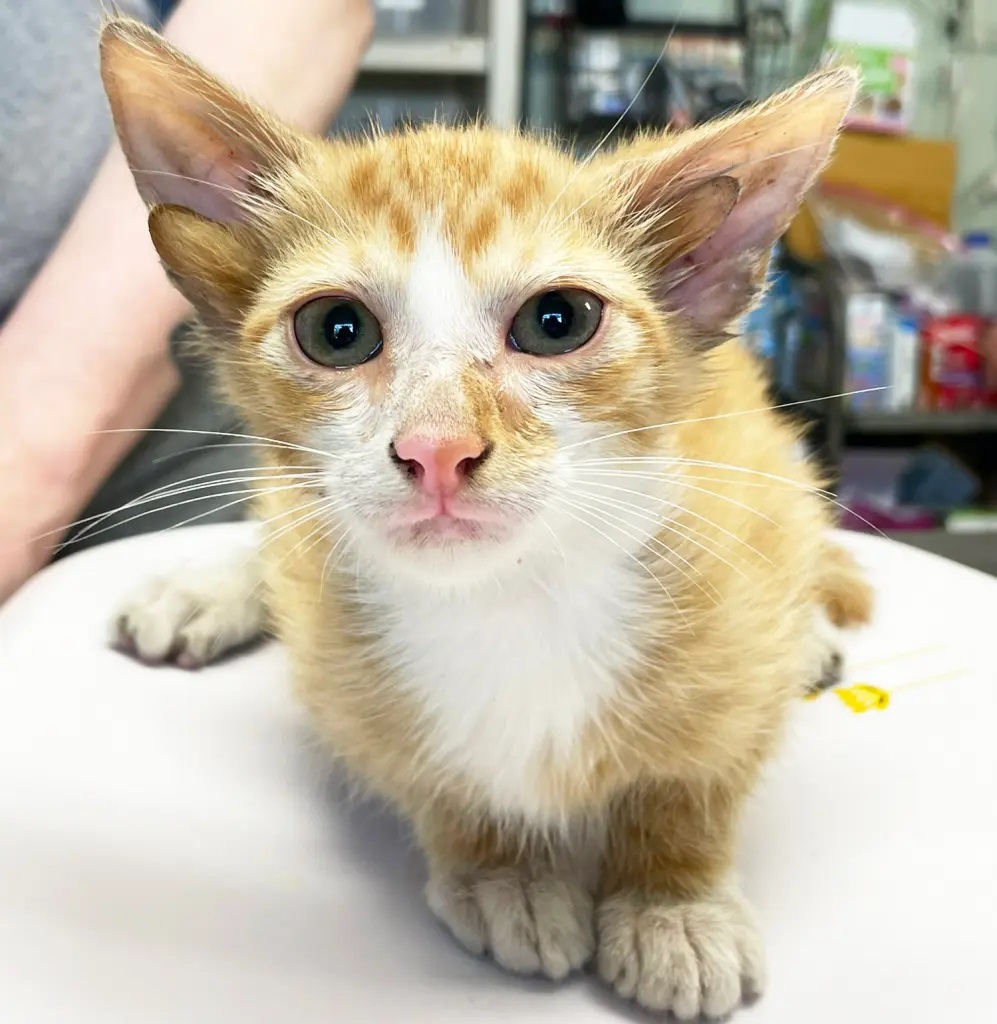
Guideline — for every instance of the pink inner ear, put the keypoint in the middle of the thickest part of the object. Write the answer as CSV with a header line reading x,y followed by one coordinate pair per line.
x,y
774,152
182,165
190,140
715,282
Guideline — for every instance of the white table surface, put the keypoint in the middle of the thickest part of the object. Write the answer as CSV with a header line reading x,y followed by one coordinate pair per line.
x,y
172,850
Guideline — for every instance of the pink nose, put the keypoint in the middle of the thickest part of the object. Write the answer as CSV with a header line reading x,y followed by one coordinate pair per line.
x,y
439,467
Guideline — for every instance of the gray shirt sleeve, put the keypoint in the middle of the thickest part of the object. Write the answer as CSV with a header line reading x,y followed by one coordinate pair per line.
x,y
54,125
54,129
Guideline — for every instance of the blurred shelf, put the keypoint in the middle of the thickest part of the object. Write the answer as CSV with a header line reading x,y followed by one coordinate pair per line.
x,y
803,400
447,55
917,421
643,27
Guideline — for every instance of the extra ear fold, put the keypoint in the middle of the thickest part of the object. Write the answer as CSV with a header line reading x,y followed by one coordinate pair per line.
x,y
216,266
687,221
773,152
190,141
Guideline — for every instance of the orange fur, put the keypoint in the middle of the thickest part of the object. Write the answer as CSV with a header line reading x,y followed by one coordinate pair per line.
x,y
843,590
728,580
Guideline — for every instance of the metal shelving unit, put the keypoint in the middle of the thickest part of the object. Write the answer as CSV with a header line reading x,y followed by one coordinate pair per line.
x,y
461,55
721,29
837,427
561,33
918,421
838,424
488,59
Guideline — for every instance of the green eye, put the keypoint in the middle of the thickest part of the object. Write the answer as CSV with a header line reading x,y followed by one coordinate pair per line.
x,y
337,332
554,323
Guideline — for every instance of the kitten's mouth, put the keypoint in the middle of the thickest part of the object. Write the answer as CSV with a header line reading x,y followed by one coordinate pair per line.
x,y
447,527
453,523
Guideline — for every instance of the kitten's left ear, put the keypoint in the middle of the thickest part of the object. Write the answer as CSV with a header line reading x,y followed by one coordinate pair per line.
x,y
207,160
774,152
191,141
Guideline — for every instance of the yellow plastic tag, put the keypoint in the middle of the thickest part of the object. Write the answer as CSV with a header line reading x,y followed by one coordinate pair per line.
x,y
861,698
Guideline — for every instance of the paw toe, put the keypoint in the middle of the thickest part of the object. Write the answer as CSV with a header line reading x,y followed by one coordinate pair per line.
x,y
617,961
148,627
670,980
512,936
691,958
454,904
565,935
528,925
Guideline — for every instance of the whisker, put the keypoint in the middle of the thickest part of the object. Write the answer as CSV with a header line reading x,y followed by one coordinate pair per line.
x,y
663,523
582,164
808,488
691,476
269,442
659,550
712,592
560,501
557,543
243,496
695,515
681,460
315,536
225,445
261,468
166,492
335,565
320,505
718,416
271,537
682,480
186,486
301,523
676,460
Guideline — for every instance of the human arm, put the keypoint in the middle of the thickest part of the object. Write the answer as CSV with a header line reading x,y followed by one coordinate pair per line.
x,y
86,349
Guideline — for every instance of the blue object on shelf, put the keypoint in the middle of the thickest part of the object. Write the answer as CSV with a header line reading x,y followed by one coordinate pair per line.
x,y
977,240
758,328
937,480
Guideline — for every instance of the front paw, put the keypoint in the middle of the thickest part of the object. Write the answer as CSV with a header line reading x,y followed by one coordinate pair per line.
x,y
193,617
530,925
693,958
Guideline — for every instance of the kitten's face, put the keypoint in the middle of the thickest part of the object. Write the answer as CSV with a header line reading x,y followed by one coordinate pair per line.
x,y
454,322
456,341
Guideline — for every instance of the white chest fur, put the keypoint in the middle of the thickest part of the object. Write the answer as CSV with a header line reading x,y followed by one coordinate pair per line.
x,y
508,677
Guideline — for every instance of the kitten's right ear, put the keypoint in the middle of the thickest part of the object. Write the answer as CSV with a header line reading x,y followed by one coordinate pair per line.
x,y
723,193
191,141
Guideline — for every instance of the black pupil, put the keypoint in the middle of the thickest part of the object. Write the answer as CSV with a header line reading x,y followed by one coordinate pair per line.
x,y
555,315
342,326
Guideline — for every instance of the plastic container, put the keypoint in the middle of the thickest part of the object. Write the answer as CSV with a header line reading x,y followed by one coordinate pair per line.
x,y
406,18
952,364
970,276
905,358
868,319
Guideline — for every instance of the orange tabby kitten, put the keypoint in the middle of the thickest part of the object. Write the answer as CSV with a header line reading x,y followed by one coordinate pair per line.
x,y
549,575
